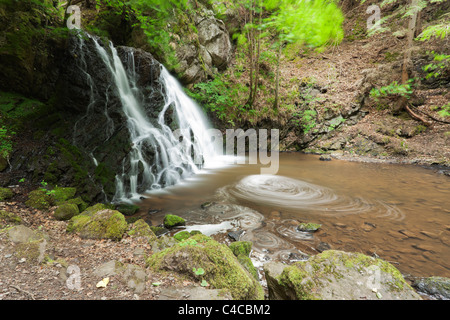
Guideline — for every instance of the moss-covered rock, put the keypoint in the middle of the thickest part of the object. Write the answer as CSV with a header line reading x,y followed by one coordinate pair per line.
x,y
97,207
101,224
337,275
40,199
8,218
5,194
66,211
162,243
28,244
159,231
3,164
63,194
172,220
79,202
241,247
247,263
221,268
140,228
309,227
33,252
182,235
127,209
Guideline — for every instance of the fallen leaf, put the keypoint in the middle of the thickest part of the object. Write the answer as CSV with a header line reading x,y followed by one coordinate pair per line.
x,y
103,283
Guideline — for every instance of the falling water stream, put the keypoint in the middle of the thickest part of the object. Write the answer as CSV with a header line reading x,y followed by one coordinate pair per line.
x,y
177,153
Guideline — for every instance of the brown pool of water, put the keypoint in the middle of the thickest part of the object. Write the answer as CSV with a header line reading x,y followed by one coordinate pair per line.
x,y
400,213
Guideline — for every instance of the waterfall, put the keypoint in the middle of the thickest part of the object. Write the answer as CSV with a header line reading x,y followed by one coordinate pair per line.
x,y
176,154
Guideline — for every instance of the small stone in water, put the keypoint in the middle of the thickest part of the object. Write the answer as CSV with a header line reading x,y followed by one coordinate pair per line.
x,y
310,227
235,235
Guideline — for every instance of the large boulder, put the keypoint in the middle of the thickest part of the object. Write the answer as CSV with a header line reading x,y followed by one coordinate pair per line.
x,y
102,224
29,244
214,37
66,211
337,275
211,48
40,199
140,228
220,268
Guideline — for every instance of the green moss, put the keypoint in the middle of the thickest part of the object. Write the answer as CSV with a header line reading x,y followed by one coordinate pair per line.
x,y
66,211
241,247
300,282
8,218
5,194
310,227
63,194
102,224
39,199
140,228
77,223
32,251
127,209
106,177
182,235
79,202
247,263
97,207
172,220
74,156
222,269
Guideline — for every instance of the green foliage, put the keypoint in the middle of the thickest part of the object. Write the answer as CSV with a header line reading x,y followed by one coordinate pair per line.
x,y
156,18
198,271
393,89
6,144
440,63
314,23
438,31
306,119
443,111
220,98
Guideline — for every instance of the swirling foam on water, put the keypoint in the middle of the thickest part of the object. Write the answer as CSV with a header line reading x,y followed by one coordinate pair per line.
x,y
284,192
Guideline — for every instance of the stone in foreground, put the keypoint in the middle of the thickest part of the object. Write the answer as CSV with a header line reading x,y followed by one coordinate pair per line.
x,y
337,275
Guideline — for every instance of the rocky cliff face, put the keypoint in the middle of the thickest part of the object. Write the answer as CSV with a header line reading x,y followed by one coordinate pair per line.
x,y
81,137
209,51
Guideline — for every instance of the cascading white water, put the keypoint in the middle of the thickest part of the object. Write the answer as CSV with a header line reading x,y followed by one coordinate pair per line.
x,y
174,158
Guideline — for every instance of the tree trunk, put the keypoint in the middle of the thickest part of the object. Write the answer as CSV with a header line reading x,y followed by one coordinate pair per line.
x,y
277,86
251,49
257,48
412,25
